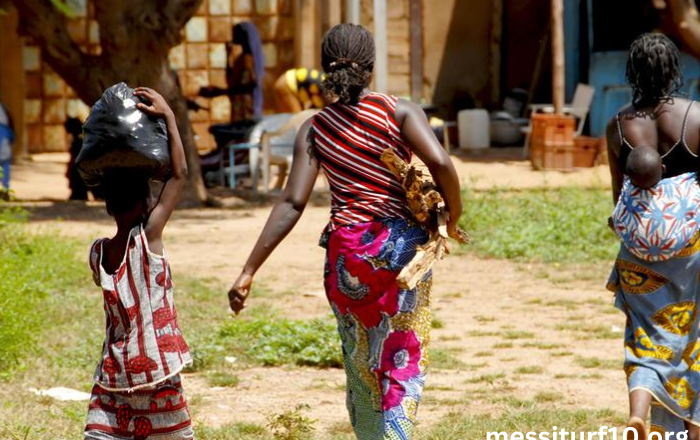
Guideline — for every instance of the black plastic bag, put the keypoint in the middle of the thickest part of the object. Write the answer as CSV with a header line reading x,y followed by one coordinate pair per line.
x,y
119,137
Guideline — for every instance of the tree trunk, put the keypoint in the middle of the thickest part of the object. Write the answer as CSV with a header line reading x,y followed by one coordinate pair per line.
x,y
135,37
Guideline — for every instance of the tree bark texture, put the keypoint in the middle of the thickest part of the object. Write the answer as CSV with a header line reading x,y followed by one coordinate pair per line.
x,y
135,38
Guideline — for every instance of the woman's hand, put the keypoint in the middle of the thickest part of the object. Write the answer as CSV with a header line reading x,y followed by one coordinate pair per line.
x,y
239,292
453,230
158,107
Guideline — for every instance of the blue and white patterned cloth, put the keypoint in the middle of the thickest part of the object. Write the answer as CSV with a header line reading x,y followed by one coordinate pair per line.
x,y
656,224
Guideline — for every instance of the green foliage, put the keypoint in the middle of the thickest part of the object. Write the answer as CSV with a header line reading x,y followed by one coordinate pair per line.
x,y
291,424
64,7
236,431
263,338
222,379
567,225
36,271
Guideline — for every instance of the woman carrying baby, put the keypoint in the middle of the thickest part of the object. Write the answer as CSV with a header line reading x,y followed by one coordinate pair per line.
x,y
653,146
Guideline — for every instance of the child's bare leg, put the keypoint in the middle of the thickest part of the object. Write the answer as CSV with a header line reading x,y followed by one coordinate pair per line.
x,y
693,431
640,402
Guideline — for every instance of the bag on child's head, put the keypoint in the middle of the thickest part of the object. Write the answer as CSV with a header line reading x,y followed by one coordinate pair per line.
x,y
119,136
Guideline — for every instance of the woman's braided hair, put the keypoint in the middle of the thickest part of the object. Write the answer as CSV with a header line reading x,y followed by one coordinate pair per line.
x,y
347,57
653,69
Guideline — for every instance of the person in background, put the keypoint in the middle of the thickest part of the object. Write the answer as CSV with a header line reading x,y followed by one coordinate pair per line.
x,y
299,89
7,137
244,75
78,189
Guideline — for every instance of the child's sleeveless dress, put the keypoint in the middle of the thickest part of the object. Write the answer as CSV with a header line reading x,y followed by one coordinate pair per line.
x,y
137,392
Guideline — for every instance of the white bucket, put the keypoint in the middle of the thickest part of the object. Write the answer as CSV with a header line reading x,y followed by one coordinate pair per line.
x,y
473,129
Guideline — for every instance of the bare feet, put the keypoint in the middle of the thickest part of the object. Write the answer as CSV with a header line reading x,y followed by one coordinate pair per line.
x,y
637,424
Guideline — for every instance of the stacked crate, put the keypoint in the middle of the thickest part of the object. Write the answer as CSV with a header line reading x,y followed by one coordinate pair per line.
x,y
552,142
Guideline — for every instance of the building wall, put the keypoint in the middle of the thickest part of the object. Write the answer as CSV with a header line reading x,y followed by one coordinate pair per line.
x,y
456,40
398,43
199,61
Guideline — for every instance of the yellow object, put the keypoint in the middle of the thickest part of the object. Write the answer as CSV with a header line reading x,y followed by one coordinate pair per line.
x,y
307,85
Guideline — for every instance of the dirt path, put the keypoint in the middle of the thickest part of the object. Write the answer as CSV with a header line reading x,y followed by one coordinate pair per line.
x,y
529,332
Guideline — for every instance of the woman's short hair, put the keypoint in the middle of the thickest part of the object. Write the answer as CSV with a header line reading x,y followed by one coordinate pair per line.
x,y
347,57
653,69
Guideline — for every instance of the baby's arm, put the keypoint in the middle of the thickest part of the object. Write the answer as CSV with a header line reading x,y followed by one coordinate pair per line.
x,y
171,192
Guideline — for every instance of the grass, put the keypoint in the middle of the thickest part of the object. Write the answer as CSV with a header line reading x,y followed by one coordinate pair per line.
x,y
235,431
445,360
39,275
486,378
591,330
531,369
261,337
437,323
592,362
562,225
542,345
547,397
516,334
222,379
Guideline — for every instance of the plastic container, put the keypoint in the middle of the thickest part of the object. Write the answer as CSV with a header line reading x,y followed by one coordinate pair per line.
x,y
552,142
473,129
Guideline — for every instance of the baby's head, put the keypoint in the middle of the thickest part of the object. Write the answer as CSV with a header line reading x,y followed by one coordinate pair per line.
x,y
644,167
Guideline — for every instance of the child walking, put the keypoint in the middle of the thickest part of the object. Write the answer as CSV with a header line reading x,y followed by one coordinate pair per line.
x,y
137,393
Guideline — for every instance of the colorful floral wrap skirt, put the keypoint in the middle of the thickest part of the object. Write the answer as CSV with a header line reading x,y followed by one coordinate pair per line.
x,y
384,330
156,413
660,300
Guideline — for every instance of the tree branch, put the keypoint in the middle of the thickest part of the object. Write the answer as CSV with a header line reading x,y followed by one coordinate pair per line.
x,y
40,20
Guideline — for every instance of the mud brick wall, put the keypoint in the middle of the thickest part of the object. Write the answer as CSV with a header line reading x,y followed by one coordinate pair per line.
x,y
398,35
199,61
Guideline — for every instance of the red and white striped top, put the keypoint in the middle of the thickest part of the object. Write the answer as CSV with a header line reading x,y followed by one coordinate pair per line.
x,y
143,342
348,142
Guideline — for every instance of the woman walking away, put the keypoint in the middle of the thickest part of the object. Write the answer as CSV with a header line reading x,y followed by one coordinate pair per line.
x,y
655,278
371,235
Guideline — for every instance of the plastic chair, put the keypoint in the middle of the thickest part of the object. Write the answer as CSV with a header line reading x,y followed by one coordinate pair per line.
x,y
278,148
579,108
254,146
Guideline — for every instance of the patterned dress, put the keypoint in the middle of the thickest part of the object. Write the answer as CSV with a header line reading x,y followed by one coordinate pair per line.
x,y
137,392
655,280
384,330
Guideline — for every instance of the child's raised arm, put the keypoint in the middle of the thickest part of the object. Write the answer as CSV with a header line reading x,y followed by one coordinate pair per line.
x,y
171,192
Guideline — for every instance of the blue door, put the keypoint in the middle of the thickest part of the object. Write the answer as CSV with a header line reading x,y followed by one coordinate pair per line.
x,y
607,75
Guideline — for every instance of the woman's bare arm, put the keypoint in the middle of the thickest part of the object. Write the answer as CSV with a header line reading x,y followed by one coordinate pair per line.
x,y
283,217
420,137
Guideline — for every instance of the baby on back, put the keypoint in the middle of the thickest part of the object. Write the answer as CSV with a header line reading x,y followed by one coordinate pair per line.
x,y
644,167
656,218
